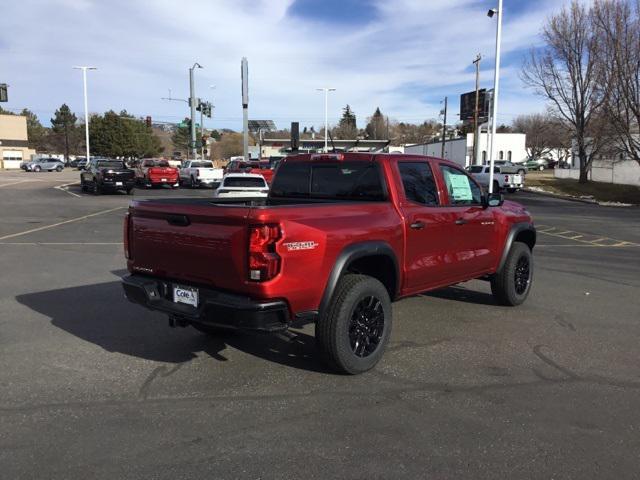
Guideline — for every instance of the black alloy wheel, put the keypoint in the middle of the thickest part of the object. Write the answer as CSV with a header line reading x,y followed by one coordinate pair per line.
x,y
522,275
366,326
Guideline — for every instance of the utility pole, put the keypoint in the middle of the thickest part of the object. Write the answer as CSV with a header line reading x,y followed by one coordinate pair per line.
x,y
326,91
244,72
476,135
444,128
192,103
86,106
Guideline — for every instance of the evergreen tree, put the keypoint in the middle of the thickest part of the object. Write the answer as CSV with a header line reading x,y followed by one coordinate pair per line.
x,y
347,128
376,128
63,125
36,133
122,135
181,137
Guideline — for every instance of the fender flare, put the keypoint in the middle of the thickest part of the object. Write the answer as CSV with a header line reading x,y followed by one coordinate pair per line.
x,y
516,228
351,253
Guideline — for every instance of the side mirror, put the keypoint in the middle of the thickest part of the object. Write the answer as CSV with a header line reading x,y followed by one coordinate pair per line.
x,y
494,199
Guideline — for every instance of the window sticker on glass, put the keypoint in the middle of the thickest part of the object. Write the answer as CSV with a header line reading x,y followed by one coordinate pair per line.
x,y
459,187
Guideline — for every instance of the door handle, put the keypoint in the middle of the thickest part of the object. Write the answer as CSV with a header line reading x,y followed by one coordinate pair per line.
x,y
417,225
461,221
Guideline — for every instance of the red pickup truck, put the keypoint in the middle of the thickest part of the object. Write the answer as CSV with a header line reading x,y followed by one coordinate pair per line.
x,y
151,172
339,237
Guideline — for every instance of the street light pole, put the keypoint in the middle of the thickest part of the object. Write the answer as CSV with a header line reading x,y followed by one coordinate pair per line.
x,y
444,128
326,91
476,139
192,104
86,104
496,83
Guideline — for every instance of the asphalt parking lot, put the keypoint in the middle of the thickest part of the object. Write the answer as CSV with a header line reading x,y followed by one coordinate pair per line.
x,y
92,386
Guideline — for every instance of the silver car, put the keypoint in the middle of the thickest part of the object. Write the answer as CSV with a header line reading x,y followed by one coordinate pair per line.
x,y
39,164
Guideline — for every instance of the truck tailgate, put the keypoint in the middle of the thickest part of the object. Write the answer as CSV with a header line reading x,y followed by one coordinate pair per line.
x,y
193,241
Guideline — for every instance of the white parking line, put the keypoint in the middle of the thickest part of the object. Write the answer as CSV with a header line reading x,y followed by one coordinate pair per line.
x,y
63,188
19,234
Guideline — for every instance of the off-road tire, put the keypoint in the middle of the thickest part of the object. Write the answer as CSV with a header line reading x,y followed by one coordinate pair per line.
x,y
334,326
504,283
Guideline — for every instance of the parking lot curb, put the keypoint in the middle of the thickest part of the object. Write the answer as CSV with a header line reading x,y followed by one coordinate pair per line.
x,y
580,200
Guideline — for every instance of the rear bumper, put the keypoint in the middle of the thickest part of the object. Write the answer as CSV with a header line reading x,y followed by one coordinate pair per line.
x,y
112,183
216,308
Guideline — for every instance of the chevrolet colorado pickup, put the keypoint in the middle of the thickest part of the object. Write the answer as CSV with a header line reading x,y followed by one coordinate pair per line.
x,y
339,237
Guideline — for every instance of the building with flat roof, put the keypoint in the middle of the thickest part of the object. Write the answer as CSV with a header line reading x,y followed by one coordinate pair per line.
x,y
14,142
278,146
508,146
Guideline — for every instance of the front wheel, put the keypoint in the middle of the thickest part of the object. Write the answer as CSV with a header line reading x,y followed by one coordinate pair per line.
x,y
95,187
58,168
510,286
353,333
37,168
541,168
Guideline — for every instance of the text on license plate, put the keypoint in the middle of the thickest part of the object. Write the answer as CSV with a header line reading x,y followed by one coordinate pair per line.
x,y
186,295
118,184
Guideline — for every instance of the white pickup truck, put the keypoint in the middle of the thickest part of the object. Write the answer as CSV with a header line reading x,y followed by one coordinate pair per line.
x,y
501,180
195,173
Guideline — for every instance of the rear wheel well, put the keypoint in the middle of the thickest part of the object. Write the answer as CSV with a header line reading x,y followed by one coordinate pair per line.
x,y
380,267
528,237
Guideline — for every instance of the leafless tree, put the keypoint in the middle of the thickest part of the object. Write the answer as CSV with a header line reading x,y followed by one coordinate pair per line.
x,y
545,135
565,72
618,29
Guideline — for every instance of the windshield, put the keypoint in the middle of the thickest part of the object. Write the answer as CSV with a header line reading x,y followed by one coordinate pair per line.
x,y
476,168
110,164
251,182
339,180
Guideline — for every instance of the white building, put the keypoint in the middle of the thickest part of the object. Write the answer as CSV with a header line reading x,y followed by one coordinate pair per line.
x,y
507,146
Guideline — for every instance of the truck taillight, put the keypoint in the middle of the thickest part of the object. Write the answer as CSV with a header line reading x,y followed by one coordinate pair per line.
x,y
127,221
264,262
197,172
506,178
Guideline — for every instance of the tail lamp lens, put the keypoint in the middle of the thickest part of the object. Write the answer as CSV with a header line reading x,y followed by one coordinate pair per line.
x,y
264,262
126,228
506,178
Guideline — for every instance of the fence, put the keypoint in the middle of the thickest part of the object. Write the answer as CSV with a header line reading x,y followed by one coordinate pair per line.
x,y
623,172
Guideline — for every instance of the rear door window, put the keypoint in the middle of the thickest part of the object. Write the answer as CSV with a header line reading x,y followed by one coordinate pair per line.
x,y
418,182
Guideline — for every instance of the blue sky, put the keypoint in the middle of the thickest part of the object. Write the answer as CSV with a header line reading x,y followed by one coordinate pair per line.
x,y
401,55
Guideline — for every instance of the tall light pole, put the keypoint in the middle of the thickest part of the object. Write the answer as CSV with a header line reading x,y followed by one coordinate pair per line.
x,y
476,139
86,104
326,91
192,103
496,83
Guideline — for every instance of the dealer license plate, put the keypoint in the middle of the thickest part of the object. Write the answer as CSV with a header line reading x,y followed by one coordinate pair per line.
x,y
164,179
118,184
186,295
